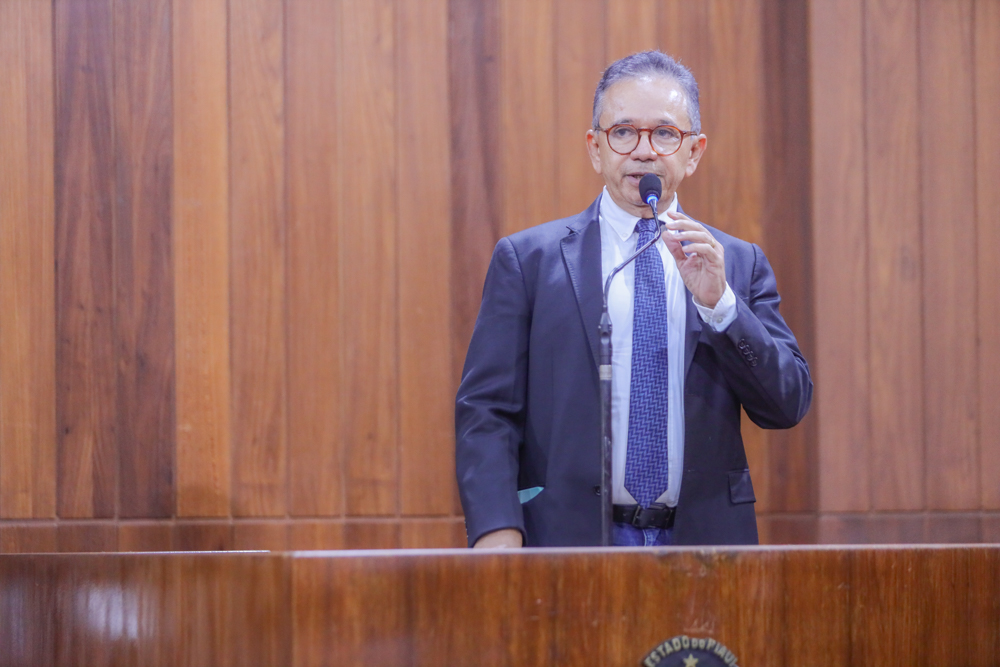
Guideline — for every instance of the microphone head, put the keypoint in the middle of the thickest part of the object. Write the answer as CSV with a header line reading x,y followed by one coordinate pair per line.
x,y
650,187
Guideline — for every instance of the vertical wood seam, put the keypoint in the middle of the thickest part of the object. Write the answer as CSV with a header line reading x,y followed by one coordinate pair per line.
x,y
113,111
975,250
286,282
229,243
341,249
397,250
863,7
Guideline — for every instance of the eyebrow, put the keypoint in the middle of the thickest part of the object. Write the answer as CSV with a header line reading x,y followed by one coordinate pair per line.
x,y
662,121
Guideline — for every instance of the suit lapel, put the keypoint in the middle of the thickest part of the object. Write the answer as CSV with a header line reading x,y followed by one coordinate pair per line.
x,y
692,331
581,249
692,327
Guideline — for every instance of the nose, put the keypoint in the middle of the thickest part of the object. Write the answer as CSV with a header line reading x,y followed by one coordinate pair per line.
x,y
644,149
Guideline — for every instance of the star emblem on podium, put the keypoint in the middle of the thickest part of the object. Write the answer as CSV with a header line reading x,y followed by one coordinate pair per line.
x,y
690,661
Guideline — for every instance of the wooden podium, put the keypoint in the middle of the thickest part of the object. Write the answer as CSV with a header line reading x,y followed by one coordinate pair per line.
x,y
809,607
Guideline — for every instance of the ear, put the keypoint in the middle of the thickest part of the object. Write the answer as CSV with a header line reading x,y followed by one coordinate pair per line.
x,y
594,150
697,150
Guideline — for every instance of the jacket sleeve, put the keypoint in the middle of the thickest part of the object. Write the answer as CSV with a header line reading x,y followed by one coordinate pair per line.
x,y
760,356
490,406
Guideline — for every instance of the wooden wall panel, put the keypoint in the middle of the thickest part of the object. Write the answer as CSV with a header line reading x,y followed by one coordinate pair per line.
x,y
313,131
630,26
987,141
368,251
257,256
27,266
27,538
948,213
423,260
144,311
201,256
269,535
580,61
840,256
227,209
892,125
791,476
528,155
145,536
474,73
84,194
81,537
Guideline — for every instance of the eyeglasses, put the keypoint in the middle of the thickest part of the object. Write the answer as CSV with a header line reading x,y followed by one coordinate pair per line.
x,y
665,139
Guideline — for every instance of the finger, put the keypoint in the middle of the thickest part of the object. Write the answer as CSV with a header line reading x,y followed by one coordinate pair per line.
x,y
685,224
674,247
696,237
704,250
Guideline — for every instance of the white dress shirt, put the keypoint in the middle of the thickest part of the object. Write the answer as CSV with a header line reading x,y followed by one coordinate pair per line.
x,y
618,241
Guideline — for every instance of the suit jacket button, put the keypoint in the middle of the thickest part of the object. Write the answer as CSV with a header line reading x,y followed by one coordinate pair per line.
x,y
742,344
597,490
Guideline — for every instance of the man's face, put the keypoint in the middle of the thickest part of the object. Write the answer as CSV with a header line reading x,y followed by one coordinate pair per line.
x,y
644,102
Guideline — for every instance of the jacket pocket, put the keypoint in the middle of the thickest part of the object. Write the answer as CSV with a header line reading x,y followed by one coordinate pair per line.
x,y
740,487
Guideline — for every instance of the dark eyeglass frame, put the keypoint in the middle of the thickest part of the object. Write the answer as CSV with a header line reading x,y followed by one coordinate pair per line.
x,y
638,135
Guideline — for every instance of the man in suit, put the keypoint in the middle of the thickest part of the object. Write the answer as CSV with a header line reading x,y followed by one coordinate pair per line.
x,y
697,335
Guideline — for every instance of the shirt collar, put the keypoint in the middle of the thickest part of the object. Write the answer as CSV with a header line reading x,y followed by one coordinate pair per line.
x,y
623,222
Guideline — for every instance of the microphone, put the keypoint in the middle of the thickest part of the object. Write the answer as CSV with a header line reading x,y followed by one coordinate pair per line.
x,y
650,190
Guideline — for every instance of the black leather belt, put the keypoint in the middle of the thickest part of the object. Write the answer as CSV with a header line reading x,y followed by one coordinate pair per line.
x,y
656,515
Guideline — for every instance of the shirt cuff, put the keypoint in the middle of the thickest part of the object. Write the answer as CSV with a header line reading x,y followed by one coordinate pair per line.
x,y
724,313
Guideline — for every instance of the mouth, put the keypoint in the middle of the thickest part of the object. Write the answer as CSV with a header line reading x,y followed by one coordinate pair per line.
x,y
633,179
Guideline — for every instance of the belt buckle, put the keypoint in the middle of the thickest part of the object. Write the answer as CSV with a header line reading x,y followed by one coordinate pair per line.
x,y
647,514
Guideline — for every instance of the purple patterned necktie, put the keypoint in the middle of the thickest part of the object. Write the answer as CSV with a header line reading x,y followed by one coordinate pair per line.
x,y
646,459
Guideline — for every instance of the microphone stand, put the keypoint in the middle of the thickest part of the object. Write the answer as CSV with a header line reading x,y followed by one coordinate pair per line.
x,y
607,503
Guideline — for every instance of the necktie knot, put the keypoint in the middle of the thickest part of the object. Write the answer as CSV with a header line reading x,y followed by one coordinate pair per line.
x,y
646,226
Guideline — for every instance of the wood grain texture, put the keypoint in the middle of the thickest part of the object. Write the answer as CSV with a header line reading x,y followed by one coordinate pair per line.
x,y
257,535
580,607
423,261
474,91
27,264
528,157
433,534
79,537
315,343
369,233
257,258
787,238
948,212
819,609
237,608
145,536
840,254
28,538
987,141
631,26
203,536
144,295
314,535
201,256
892,121
371,535
27,624
85,193
580,61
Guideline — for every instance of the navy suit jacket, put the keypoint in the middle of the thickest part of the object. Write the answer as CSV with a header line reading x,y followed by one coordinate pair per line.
x,y
528,407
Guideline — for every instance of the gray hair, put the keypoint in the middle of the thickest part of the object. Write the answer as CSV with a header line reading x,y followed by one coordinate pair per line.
x,y
645,63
